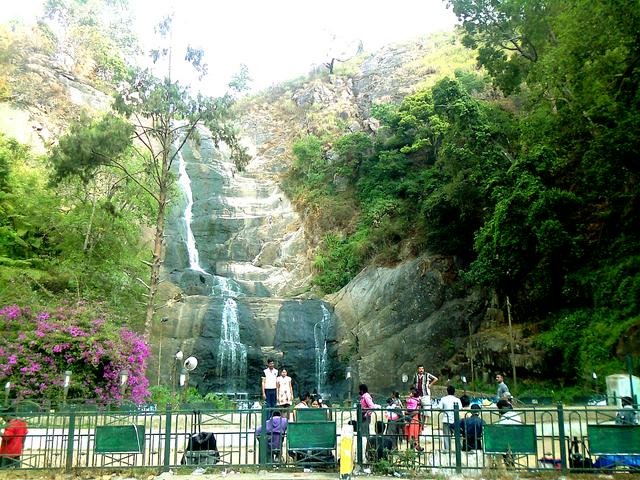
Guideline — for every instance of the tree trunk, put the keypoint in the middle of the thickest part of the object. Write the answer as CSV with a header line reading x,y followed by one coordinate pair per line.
x,y
156,263
87,236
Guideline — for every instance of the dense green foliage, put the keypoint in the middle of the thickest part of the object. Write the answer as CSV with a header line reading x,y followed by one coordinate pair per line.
x,y
77,240
536,194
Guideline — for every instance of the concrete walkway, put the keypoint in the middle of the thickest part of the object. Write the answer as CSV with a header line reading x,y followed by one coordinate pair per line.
x,y
265,475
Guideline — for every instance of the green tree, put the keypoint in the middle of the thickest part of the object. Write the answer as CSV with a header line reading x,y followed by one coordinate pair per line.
x,y
163,115
510,36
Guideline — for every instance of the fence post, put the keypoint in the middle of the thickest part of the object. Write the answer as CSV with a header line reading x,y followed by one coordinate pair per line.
x,y
563,443
71,438
167,439
456,436
263,436
359,433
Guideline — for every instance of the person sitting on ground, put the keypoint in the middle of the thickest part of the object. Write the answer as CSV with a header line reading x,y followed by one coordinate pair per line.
x,y
471,429
12,444
276,427
379,445
627,415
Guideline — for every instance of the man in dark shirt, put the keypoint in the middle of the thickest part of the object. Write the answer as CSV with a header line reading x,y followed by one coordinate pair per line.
x,y
471,430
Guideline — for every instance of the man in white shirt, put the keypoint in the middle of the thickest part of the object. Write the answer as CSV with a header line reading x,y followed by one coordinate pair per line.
x,y
447,404
422,382
305,399
269,385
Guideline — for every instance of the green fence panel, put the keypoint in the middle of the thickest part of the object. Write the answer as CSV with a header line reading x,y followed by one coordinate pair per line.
x,y
517,439
614,439
312,415
307,435
119,439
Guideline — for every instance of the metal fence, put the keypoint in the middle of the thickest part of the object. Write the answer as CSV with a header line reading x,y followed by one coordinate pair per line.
x,y
535,439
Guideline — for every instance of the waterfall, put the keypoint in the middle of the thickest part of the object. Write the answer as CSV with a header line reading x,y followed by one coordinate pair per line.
x,y
232,354
226,287
185,184
320,333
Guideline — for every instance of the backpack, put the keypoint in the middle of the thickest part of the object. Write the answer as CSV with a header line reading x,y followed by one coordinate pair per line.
x,y
202,447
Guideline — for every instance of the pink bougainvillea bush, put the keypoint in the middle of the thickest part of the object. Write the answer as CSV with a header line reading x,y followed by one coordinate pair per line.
x,y
37,347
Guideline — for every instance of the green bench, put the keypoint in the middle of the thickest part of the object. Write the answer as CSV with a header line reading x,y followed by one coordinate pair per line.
x,y
119,443
614,439
312,442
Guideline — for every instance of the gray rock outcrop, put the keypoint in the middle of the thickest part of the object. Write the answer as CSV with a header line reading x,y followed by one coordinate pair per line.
x,y
390,319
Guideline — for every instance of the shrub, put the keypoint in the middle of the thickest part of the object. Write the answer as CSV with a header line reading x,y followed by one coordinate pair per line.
x,y
36,348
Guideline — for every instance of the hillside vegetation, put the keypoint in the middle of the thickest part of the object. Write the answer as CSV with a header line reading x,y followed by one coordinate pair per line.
x,y
77,239
536,194
523,168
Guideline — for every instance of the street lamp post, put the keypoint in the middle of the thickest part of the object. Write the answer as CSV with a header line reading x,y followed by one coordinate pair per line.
x,y
349,380
163,320
464,383
177,359
182,383
7,388
405,379
65,385
594,377
190,365
124,380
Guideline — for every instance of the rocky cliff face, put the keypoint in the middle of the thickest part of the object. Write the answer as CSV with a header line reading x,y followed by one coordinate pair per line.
x,y
236,302
390,319
44,99
245,299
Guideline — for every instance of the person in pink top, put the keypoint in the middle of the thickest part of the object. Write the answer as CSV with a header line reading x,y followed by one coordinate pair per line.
x,y
366,402
412,429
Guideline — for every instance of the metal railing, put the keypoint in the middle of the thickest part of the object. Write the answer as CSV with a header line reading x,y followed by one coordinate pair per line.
x,y
69,439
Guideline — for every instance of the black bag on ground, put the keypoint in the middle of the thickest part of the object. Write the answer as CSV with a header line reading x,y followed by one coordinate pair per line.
x,y
201,448
578,461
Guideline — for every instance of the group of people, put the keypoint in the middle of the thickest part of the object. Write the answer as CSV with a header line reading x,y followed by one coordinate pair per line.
x,y
407,420
277,391
277,388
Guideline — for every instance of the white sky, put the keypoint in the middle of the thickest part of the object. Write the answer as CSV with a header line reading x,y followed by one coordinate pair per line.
x,y
276,39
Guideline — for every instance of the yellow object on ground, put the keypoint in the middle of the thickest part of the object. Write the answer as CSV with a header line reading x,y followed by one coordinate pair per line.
x,y
346,452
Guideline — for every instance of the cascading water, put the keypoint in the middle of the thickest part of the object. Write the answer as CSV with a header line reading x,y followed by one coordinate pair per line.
x,y
232,354
320,334
185,183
